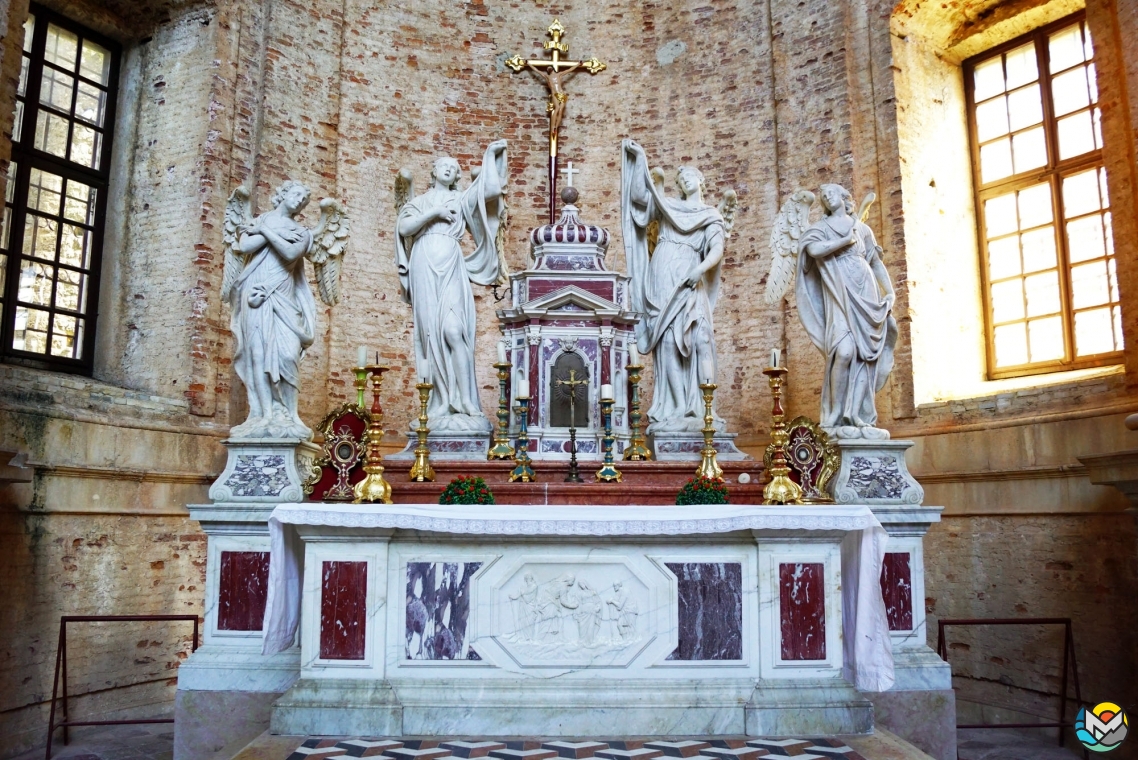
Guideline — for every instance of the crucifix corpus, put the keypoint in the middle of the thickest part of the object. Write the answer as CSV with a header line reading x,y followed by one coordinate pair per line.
x,y
555,71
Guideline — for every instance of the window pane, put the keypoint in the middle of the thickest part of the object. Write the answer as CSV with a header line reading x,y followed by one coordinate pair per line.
x,y
1116,315
70,290
1065,48
1092,82
90,104
1112,275
29,32
1011,345
1085,238
35,283
1089,285
1039,250
45,191
5,237
1069,91
1076,135
1096,118
1007,301
22,86
996,160
1021,66
988,79
1080,193
1035,206
1046,339
63,336
39,237
1025,107
51,134
1108,234
1094,333
1102,187
1000,215
1030,150
1003,258
74,248
86,146
991,119
62,47
10,188
31,330
79,205
18,122
56,89
96,63
1042,293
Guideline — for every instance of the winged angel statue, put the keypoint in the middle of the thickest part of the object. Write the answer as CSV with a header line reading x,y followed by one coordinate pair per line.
x,y
845,300
435,277
274,312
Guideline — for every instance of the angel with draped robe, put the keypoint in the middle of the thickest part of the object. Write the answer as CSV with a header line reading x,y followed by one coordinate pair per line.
x,y
273,309
435,277
674,285
845,300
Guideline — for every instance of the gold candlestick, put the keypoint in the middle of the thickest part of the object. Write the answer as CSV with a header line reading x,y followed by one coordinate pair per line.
x,y
421,471
500,447
636,451
373,487
522,471
709,464
781,489
608,472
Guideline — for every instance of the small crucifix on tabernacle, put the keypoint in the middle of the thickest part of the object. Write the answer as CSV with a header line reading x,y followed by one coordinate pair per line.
x,y
555,72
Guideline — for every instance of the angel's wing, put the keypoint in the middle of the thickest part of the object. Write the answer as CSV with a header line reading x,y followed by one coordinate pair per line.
x,y
863,211
791,222
326,253
404,188
238,214
727,207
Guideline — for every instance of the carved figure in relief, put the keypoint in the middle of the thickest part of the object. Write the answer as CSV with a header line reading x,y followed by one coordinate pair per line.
x,y
435,277
569,613
525,602
845,300
624,609
675,284
588,614
273,311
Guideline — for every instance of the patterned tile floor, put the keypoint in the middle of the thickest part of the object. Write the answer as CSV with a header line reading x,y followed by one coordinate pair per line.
x,y
601,749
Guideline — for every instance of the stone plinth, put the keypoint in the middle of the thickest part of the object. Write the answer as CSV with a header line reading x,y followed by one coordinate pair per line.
x,y
264,470
874,472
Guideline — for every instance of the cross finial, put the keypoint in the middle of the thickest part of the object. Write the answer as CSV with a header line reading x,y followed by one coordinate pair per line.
x,y
569,171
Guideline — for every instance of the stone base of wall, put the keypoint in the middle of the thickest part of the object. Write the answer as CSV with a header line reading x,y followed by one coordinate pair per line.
x,y
926,719
216,725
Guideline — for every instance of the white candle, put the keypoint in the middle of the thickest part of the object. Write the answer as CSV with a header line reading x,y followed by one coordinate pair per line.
x,y
501,352
523,387
633,354
606,392
361,356
775,357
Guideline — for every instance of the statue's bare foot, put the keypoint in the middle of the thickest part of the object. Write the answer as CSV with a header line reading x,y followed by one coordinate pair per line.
x,y
254,427
874,433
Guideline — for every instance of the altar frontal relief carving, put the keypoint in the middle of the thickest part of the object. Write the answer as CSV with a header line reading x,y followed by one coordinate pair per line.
x,y
573,614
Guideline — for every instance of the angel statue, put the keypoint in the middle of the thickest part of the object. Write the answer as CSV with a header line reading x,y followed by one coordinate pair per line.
x,y
273,310
435,277
675,283
845,300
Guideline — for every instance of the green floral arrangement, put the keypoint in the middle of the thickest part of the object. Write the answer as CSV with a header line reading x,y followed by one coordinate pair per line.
x,y
701,490
466,489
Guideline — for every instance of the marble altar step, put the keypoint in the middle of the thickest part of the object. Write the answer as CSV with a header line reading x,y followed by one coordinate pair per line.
x,y
647,483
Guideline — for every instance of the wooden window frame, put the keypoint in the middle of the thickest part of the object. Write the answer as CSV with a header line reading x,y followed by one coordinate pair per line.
x,y
28,158
1052,173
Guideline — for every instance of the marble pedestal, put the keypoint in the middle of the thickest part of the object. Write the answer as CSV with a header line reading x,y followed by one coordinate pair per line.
x,y
264,470
569,621
684,447
874,472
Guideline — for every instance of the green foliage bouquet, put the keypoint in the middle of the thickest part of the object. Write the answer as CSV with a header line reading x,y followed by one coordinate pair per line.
x,y
700,490
466,489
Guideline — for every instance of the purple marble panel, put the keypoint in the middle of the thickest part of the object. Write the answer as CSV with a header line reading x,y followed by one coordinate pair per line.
x,y
438,608
711,610
897,590
343,610
802,610
243,584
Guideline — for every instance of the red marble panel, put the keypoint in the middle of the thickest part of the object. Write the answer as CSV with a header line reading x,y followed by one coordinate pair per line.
x,y
343,610
539,287
243,584
802,610
897,590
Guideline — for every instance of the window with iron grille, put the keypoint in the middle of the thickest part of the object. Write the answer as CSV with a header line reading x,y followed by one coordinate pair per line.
x,y
1048,266
56,197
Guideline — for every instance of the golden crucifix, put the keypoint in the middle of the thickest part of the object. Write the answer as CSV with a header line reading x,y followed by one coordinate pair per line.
x,y
555,72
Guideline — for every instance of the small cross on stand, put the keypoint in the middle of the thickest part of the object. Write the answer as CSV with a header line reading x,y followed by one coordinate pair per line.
x,y
569,171
574,475
555,72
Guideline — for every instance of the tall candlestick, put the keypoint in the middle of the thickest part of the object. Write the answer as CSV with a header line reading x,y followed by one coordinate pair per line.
x,y
374,487
636,450
421,470
608,472
709,462
500,447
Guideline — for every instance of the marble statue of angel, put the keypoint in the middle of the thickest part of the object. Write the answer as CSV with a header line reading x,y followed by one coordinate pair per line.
x,y
674,283
845,300
273,309
435,277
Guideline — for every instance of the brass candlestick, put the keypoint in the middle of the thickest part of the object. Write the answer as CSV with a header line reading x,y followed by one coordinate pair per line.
x,y
708,464
500,447
373,487
636,450
781,489
361,385
522,471
608,472
421,471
